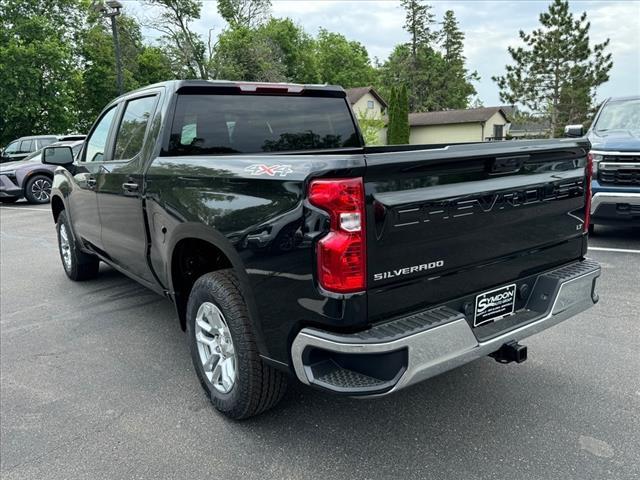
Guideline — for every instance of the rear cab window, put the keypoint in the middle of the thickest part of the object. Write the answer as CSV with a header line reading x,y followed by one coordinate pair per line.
x,y
206,124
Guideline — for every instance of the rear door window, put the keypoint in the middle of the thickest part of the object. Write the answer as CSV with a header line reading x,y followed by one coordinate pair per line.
x,y
133,127
25,146
218,124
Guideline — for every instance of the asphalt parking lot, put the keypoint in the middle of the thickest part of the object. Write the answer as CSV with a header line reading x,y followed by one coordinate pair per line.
x,y
96,382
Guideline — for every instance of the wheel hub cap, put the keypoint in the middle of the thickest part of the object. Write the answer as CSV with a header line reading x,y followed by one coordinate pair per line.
x,y
65,247
215,347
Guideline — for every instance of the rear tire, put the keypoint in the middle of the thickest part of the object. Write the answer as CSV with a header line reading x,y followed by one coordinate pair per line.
x,y
77,264
38,189
592,229
251,386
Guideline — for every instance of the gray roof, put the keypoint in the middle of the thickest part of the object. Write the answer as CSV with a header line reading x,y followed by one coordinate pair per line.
x,y
355,94
444,117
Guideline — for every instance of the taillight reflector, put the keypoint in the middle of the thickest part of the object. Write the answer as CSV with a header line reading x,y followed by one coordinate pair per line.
x,y
341,254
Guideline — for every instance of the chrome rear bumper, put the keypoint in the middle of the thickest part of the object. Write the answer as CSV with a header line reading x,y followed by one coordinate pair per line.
x,y
444,341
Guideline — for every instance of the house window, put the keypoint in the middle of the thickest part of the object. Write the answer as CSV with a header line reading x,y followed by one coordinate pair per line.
x,y
498,132
370,104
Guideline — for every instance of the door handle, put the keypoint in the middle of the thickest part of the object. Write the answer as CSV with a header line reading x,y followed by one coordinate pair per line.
x,y
130,187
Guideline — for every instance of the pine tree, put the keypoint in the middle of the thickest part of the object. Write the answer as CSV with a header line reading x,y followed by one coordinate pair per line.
x,y
433,82
558,71
458,79
452,39
392,126
403,115
419,20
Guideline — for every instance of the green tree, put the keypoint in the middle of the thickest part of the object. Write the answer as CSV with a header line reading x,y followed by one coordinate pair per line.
x,y
153,66
451,38
38,67
426,85
370,127
341,61
392,116
419,22
244,13
398,125
558,71
247,54
98,59
435,80
296,49
456,79
187,51
403,115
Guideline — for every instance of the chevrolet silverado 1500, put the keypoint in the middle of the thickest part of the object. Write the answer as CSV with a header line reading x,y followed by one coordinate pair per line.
x,y
615,142
290,249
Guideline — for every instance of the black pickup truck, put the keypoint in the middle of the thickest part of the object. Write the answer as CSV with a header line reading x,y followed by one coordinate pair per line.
x,y
290,249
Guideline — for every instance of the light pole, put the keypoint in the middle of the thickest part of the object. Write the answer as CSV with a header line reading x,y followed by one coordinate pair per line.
x,y
111,9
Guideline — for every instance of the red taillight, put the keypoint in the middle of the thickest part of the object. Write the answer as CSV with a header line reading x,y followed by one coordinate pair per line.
x,y
587,191
342,252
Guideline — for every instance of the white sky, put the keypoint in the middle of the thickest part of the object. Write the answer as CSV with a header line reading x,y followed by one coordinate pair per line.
x,y
489,26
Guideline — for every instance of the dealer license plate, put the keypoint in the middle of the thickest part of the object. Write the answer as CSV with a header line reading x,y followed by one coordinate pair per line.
x,y
494,304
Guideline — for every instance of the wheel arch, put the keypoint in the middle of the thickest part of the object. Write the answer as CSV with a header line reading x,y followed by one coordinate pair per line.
x,y
30,174
195,249
57,206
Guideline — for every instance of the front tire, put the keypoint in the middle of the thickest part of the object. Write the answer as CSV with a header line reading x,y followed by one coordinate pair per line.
x,y
224,351
77,264
38,189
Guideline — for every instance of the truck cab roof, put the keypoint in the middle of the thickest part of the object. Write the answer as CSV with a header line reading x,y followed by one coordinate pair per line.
x,y
247,87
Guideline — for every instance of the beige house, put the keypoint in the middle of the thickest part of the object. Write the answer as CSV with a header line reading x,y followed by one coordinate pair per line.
x,y
366,101
367,104
458,126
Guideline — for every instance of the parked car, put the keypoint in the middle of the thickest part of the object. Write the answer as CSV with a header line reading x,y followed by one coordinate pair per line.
x,y
22,147
406,261
615,143
30,178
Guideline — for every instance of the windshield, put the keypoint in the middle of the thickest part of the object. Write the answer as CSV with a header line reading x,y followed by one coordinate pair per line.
x,y
619,115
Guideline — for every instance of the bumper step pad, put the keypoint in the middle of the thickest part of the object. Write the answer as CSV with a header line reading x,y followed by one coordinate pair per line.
x,y
402,327
330,373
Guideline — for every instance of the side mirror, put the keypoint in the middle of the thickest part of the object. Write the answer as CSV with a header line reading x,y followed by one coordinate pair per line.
x,y
60,155
574,131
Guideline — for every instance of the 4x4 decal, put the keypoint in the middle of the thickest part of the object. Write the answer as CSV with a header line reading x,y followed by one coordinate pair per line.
x,y
270,170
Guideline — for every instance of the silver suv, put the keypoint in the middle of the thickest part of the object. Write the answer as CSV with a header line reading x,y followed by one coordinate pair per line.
x,y
23,146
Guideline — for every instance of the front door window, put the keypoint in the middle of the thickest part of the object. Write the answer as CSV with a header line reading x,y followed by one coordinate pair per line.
x,y
97,142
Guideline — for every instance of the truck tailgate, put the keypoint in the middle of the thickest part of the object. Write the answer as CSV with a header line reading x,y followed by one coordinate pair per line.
x,y
445,223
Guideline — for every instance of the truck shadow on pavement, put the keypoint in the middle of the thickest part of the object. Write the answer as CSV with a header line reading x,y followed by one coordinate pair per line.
x,y
482,414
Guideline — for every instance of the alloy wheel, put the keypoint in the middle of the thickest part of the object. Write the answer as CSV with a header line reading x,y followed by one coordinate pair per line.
x,y
215,347
41,189
65,247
